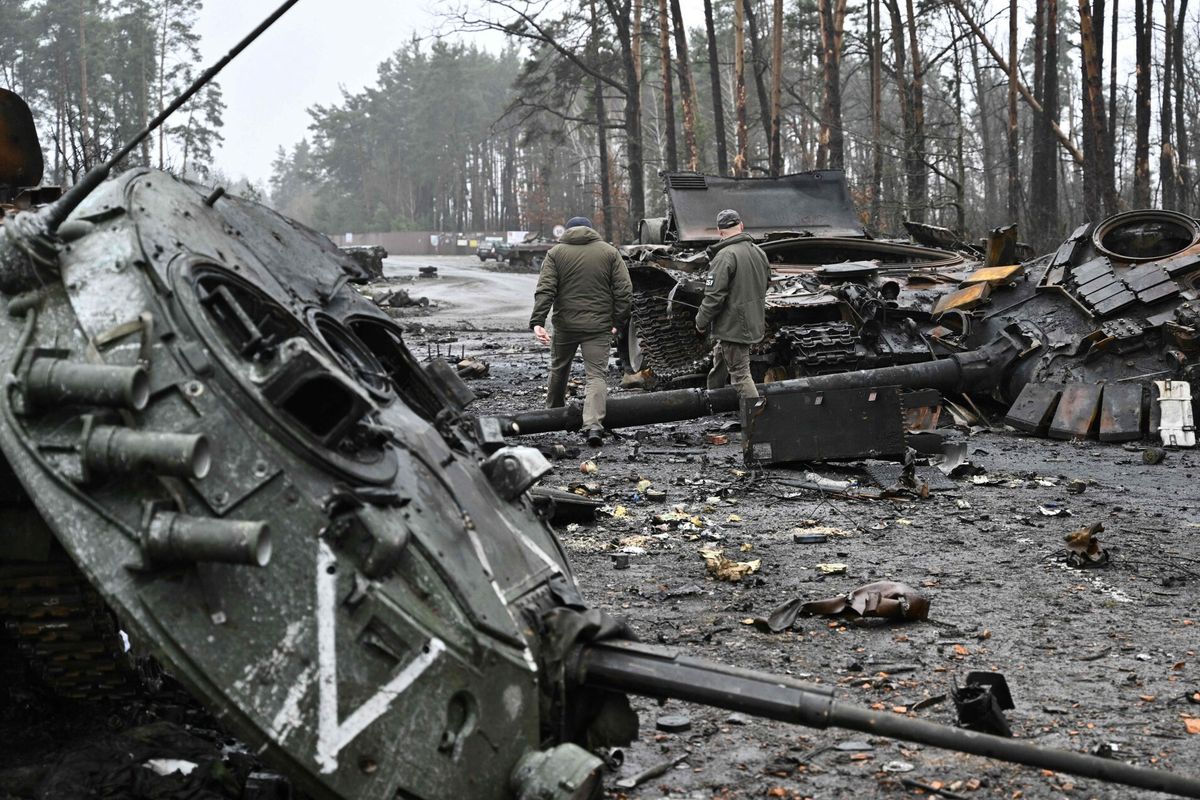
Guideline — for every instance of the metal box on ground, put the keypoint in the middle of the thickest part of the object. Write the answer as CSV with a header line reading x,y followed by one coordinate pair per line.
x,y
823,425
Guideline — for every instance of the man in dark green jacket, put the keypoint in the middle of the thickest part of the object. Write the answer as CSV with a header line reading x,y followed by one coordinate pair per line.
x,y
587,283
735,301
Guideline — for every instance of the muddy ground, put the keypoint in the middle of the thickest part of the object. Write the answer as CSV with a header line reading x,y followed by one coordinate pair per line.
x,y
1102,658
1098,659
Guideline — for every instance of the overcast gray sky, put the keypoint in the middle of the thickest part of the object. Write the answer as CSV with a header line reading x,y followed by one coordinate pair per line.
x,y
318,47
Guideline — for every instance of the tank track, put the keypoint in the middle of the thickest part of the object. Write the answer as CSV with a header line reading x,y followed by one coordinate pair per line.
x,y
58,636
822,347
670,347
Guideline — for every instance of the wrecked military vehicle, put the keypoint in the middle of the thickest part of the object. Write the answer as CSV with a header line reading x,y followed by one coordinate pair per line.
x,y
1110,320
239,452
840,300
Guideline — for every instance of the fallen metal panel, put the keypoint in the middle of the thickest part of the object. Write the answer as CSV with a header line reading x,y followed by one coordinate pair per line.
x,y
1078,411
1034,408
823,425
1121,418
816,202
1176,425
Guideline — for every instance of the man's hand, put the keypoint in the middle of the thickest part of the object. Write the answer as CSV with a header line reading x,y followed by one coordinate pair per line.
x,y
614,331
542,334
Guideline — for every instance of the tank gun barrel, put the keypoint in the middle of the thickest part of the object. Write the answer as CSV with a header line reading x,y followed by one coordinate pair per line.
x,y
961,372
662,673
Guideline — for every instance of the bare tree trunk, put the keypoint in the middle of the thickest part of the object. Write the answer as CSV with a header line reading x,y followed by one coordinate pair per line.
x,y
904,94
1014,176
739,89
664,51
1183,171
601,135
1143,24
982,90
776,89
85,139
162,82
1112,79
876,44
918,175
635,42
633,109
687,87
714,75
759,70
1097,167
1166,160
960,167
831,16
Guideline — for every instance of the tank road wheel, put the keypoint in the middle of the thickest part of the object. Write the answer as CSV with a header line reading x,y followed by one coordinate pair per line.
x,y
631,347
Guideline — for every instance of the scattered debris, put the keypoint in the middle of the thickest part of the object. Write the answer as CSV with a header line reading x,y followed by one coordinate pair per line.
x,y
726,569
1083,548
650,774
1153,455
884,599
427,272
981,703
472,368
673,723
400,298
589,467
832,569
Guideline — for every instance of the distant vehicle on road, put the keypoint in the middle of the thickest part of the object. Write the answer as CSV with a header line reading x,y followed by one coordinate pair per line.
x,y
491,250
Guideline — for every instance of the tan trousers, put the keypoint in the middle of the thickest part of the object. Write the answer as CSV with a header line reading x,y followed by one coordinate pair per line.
x,y
595,367
731,364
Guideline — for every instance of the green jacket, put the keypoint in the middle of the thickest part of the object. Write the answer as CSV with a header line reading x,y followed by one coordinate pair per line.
x,y
736,291
587,283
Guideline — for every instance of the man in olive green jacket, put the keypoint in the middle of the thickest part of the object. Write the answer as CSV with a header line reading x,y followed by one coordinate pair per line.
x,y
587,283
735,296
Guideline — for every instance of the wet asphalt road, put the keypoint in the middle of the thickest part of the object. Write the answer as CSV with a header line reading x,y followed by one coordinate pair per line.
x,y
468,294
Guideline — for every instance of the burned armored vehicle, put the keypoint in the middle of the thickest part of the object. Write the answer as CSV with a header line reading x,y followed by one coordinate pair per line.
x,y
840,299
241,456
1111,314
239,452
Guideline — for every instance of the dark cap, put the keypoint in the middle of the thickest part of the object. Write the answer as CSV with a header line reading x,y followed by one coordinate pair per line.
x,y
579,222
728,219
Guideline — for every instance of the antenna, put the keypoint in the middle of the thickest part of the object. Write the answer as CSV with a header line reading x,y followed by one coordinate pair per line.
x,y
60,209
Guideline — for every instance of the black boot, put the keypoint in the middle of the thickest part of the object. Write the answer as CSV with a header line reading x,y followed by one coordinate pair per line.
x,y
595,437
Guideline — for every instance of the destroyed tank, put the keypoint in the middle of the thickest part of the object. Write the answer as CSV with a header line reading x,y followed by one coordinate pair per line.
x,y
240,454
839,300
1113,313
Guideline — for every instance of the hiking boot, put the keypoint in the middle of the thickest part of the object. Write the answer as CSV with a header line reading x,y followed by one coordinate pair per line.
x,y
595,437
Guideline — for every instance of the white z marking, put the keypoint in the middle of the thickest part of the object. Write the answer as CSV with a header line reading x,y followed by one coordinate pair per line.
x,y
333,734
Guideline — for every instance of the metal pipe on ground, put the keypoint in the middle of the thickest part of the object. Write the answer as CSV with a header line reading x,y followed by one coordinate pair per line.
x,y
961,372
661,673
